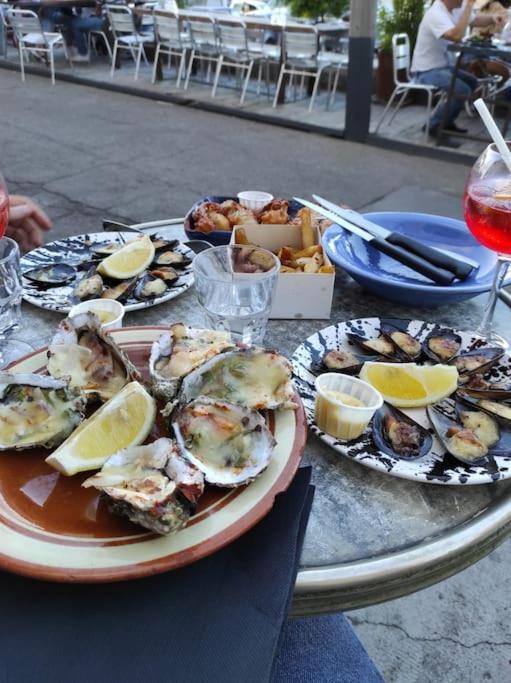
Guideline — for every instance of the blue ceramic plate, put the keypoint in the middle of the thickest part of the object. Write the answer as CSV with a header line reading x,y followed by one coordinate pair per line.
x,y
391,280
219,237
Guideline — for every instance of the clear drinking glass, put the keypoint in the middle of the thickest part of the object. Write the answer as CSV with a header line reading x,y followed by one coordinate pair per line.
x,y
487,205
237,302
10,302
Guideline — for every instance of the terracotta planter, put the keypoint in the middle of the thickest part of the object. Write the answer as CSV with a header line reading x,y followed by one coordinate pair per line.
x,y
384,78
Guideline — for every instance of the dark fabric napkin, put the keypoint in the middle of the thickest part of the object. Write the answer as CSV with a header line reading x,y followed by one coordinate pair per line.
x,y
218,620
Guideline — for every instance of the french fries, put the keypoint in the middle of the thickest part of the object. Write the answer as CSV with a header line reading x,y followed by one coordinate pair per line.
x,y
305,217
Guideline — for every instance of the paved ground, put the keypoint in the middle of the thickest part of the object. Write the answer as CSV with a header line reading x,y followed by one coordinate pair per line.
x,y
87,154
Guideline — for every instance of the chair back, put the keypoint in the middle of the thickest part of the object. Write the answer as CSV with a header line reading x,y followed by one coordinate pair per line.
x,y
400,57
23,22
202,33
166,29
233,36
121,20
301,44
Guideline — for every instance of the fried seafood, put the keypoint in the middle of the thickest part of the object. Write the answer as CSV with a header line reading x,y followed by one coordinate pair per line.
x,y
276,212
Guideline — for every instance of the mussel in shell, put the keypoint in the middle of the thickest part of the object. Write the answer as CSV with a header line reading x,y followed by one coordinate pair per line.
x,y
54,275
345,362
442,345
380,345
160,243
104,249
477,361
397,435
484,426
461,442
478,387
500,411
172,258
149,287
166,273
408,348
89,287
121,290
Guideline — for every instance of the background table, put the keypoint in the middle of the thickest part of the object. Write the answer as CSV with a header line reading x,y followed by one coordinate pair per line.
x,y
370,537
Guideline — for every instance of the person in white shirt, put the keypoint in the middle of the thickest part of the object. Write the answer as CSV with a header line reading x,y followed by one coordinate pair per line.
x,y
446,21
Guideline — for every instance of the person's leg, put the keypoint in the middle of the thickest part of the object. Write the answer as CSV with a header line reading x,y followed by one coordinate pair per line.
x,y
322,650
80,27
441,78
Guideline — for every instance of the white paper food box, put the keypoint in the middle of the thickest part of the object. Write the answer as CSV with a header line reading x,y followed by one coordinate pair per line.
x,y
298,295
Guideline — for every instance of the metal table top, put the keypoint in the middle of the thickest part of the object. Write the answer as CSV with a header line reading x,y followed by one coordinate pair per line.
x,y
370,537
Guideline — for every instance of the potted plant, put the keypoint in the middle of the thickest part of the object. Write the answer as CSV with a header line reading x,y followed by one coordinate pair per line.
x,y
318,9
404,18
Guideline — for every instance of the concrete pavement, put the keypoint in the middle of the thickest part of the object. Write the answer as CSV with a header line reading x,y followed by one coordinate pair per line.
x,y
86,154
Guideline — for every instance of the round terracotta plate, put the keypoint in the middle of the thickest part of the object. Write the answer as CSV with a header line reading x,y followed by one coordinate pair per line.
x,y
53,529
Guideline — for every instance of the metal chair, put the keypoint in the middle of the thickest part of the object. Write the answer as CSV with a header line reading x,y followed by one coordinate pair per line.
x,y
32,40
234,52
94,36
205,44
169,41
7,29
126,36
301,49
401,66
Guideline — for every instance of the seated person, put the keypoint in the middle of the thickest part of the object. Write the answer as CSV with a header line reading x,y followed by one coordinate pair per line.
x,y
444,21
83,21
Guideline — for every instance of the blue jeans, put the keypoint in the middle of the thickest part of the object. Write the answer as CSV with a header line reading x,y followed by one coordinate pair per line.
x,y
464,86
80,27
323,650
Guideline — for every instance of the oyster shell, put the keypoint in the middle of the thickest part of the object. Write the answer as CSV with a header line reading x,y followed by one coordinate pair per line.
x,y
37,410
230,444
397,435
461,442
89,358
442,345
152,485
178,352
54,275
253,378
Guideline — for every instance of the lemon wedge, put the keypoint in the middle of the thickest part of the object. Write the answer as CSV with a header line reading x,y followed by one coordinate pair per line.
x,y
407,385
130,260
125,420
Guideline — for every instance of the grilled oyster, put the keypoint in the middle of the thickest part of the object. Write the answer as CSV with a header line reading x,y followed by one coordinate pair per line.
x,y
37,410
152,485
178,352
397,435
230,444
253,378
89,358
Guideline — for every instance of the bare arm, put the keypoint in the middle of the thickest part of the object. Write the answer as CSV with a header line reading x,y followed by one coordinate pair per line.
x,y
457,32
27,222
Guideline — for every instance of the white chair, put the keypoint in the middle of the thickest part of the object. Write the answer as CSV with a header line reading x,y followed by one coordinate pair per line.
x,y
401,67
6,28
301,49
94,36
169,41
234,52
32,40
205,44
126,37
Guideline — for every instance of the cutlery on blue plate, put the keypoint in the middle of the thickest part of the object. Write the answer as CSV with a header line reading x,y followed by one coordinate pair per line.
x,y
461,266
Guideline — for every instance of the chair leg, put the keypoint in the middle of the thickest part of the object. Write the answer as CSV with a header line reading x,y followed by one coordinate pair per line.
x,y
247,80
146,61
259,77
139,57
334,88
52,66
428,115
22,62
107,44
217,75
181,67
189,72
387,109
155,65
279,85
315,89
114,58
398,107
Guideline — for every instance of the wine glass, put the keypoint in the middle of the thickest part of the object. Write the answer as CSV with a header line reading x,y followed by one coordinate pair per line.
x,y
10,287
487,206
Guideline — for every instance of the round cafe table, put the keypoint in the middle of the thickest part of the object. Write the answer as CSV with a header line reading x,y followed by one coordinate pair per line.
x,y
370,537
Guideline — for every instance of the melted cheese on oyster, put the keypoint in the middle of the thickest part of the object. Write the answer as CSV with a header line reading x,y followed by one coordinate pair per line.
x,y
191,348
32,415
85,369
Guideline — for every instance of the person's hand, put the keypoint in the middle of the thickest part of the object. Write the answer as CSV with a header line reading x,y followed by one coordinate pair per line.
x,y
27,222
499,20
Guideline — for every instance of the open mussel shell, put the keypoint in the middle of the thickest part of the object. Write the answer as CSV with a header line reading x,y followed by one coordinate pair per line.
x,y
382,346
166,273
477,361
53,275
121,290
408,347
442,345
104,249
459,441
344,362
499,410
172,258
397,435
89,287
149,287
478,387
484,426
159,243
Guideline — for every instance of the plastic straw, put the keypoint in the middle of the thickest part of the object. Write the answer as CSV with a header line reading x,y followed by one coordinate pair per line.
x,y
494,132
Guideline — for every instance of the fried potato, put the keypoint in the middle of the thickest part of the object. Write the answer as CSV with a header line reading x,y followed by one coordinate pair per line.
x,y
305,217
220,221
285,254
241,236
308,252
287,269
326,269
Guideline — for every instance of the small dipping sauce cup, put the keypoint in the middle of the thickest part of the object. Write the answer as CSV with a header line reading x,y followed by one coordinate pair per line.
x,y
254,200
333,412
109,311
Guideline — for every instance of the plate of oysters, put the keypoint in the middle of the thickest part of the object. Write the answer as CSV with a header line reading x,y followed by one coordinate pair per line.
x,y
139,450
137,271
444,411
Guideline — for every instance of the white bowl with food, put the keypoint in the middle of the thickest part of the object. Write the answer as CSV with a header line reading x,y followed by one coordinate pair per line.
x,y
109,311
254,200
